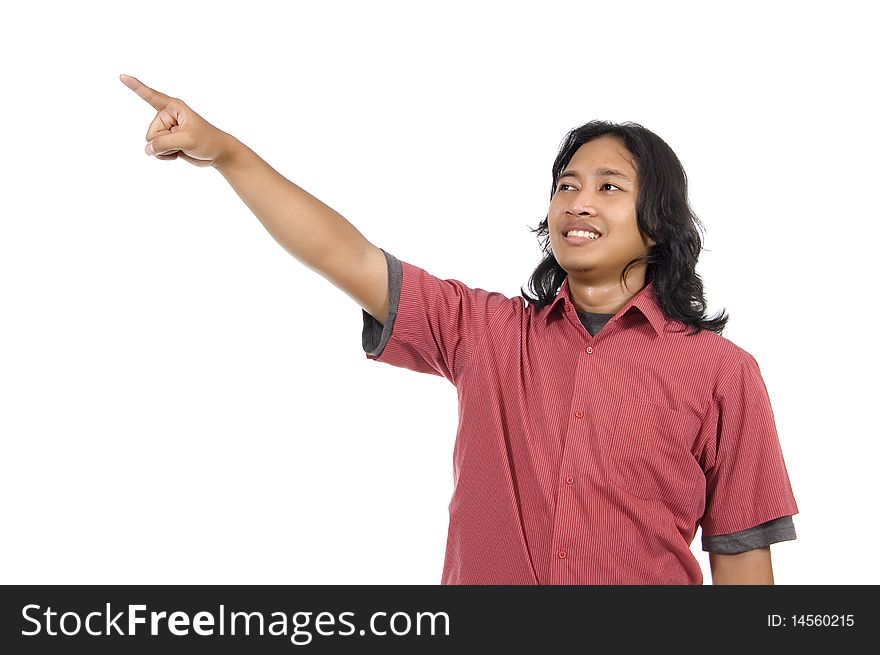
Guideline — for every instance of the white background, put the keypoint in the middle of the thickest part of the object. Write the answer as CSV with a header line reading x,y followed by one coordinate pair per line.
x,y
184,402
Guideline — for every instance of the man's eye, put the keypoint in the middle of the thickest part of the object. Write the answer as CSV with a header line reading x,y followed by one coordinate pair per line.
x,y
563,185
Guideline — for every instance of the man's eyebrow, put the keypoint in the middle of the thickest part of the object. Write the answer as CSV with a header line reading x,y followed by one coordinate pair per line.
x,y
599,172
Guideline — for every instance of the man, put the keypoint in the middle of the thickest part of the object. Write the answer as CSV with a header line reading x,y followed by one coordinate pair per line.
x,y
582,457
590,454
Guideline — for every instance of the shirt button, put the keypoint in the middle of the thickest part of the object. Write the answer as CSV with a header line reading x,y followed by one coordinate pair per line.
x,y
569,479
579,414
562,554
589,349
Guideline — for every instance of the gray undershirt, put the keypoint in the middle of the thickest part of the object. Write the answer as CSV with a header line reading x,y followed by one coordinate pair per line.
x,y
375,336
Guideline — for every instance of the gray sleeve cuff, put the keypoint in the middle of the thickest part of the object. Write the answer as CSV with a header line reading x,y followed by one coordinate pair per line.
x,y
374,335
761,536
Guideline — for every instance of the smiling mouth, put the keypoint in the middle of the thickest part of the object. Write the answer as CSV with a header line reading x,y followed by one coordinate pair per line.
x,y
576,240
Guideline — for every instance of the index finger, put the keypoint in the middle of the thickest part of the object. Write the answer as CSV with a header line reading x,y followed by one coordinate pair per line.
x,y
157,99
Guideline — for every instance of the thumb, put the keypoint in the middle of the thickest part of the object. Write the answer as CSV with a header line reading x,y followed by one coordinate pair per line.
x,y
166,142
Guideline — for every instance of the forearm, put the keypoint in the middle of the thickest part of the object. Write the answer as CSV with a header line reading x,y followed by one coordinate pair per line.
x,y
303,225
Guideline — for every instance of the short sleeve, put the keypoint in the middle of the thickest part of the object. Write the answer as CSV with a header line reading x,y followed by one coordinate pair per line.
x,y
433,324
747,481
375,335
761,536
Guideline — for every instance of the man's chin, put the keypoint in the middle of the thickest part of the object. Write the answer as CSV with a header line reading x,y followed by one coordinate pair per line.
x,y
576,265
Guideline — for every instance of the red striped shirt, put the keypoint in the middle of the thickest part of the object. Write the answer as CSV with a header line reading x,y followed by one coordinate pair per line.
x,y
586,459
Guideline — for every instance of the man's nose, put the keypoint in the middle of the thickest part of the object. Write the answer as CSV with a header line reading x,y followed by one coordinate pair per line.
x,y
582,203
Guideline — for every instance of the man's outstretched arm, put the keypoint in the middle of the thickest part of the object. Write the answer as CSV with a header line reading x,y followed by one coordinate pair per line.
x,y
315,234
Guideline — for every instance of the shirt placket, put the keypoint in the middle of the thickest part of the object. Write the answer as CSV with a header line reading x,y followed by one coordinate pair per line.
x,y
566,523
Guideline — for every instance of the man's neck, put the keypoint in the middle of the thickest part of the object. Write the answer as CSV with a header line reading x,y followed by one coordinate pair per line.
x,y
603,297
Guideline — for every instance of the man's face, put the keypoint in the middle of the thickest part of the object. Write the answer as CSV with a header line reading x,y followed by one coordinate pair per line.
x,y
587,192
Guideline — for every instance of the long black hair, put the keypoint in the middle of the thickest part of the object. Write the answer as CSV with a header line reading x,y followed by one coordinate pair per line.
x,y
664,215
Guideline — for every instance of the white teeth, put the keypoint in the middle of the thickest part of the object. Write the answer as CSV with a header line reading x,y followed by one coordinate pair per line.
x,y
583,234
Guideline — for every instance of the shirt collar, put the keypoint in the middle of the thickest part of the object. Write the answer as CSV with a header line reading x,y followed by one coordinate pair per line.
x,y
643,302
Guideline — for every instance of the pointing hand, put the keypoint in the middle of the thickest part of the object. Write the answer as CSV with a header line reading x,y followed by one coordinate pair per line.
x,y
178,131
